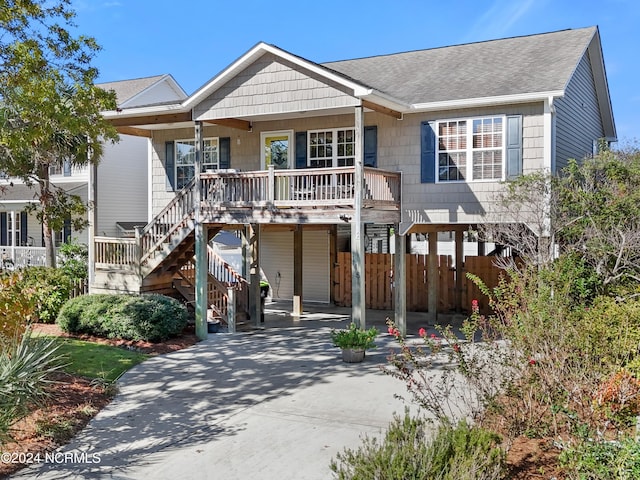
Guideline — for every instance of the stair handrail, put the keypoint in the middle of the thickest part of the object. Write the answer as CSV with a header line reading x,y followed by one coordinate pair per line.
x,y
215,258
180,208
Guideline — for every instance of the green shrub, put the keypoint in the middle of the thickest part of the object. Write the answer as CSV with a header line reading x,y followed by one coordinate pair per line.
x,y
611,331
407,452
74,259
51,289
603,460
151,318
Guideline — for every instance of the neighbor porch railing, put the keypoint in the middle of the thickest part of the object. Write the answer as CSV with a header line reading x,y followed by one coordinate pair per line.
x,y
20,257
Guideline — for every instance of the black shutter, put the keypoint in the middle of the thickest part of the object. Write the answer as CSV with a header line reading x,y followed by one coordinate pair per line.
x,y
427,152
23,228
301,149
66,231
225,152
4,234
170,166
371,146
514,146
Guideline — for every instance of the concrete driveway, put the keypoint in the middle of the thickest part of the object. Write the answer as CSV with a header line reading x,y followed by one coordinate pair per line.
x,y
267,404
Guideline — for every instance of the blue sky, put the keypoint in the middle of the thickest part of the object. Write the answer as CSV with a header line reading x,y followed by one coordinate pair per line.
x,y
194,40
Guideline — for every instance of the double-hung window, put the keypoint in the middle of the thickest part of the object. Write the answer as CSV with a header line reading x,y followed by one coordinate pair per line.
x,y
331,148
185,155
471,149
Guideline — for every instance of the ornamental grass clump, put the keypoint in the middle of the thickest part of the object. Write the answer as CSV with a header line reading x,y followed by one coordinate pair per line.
x,y
354,337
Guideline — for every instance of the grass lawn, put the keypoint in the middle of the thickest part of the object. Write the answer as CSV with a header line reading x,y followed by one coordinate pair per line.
x,y
96,360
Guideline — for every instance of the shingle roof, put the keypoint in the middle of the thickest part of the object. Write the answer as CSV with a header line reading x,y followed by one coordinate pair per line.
x,y
511,66
126,89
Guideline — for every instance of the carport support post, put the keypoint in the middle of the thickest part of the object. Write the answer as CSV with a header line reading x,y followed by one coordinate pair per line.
x,y
400,281
358,301
459,268
255,309
297,271
432,277
200,232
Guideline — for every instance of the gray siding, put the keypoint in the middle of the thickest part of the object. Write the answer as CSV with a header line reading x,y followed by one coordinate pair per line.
x,y
578,121
270,85
444,203
398,149
122,185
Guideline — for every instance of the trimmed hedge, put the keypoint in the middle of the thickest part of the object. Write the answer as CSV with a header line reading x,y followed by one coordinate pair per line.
x,y
152,317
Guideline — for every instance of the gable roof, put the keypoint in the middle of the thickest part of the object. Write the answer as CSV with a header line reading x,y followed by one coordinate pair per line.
x,y
506,71
511,66
127,90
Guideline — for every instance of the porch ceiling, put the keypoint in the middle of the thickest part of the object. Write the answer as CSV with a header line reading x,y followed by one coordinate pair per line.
x,y
143,125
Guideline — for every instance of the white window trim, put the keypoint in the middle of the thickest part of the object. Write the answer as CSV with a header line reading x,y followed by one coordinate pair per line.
x,y
334,144
186,140
469,150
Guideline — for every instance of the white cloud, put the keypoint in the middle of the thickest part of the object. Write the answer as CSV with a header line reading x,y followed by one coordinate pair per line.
x,y
497,21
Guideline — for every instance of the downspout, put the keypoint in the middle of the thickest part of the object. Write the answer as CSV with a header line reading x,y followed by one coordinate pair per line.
x,y
545,238
91,230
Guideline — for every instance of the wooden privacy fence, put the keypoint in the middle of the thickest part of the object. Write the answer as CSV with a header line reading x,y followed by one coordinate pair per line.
x,y
379,293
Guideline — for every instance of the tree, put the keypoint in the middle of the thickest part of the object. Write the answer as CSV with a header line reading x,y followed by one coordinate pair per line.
x,y
49,105
600,214
591,209
527,206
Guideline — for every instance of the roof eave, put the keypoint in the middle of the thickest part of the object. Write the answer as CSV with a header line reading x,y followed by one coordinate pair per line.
x,y
486,101
255,53
602,87
144,111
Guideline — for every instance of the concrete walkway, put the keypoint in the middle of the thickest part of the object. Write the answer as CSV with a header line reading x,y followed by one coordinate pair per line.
x,y
267,404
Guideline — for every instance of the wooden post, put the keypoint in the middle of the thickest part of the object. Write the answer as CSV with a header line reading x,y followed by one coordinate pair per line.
x,y
459,268
481,248
271,186
200,232
297,271
400,281
231,310
245,251
358,299
138,236
432,277
255,309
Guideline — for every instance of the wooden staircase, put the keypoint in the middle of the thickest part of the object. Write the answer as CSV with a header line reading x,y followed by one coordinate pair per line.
x,y
160,259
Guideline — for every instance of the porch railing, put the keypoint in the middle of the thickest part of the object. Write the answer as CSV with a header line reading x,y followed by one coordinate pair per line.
x,y
303,187
116,252
20,257
313,187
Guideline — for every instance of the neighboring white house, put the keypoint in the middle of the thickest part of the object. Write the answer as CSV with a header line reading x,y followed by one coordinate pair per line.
x,y
120,181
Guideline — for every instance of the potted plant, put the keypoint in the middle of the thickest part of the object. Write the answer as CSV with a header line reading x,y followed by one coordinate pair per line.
x,y
354,342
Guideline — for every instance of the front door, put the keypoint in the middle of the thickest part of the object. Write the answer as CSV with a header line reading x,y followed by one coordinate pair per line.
x,y
277,149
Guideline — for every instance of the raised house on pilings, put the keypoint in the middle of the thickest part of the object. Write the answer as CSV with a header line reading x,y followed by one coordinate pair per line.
x,y
305,160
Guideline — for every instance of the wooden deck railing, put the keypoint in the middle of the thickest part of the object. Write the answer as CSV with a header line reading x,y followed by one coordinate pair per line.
x,y
116,252
312,188
295,188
